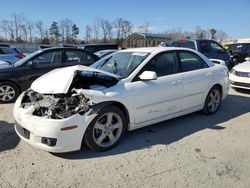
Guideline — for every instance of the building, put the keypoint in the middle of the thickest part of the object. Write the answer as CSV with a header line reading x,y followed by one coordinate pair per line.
x,y
146,40
231,41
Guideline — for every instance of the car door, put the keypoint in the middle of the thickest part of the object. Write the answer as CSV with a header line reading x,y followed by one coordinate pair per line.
x,y
154,99
41,64
196,79
78,57
205,48
217,51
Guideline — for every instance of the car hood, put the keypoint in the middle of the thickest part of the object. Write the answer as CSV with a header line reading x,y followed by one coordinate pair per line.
x,y
243,67
58,81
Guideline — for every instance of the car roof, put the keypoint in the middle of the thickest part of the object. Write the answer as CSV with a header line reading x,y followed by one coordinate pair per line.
x,y
155,49
60,48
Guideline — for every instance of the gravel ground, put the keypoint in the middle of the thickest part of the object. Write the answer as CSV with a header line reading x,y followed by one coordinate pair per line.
x,y
189,151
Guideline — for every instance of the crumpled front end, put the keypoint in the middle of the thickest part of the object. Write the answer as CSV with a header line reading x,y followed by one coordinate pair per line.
x,y
53,123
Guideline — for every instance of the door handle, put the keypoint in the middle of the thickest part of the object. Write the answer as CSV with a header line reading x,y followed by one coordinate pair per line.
x,y
209,74
176,82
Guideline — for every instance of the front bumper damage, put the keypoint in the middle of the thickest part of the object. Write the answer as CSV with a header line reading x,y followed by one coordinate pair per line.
x,y
34,129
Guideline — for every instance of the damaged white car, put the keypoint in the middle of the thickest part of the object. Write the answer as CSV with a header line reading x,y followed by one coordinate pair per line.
x,y
127,90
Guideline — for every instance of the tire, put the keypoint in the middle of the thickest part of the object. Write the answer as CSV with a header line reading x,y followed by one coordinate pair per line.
x,y
8,92
213,101
106,130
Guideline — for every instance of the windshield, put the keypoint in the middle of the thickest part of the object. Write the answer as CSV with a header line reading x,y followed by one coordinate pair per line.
x,y
121,63
27,58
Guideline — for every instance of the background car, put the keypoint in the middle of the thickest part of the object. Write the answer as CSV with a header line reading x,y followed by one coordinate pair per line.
x,y
238,52
97,47
10,54
211,49
127,90
16,78
103,53
239,76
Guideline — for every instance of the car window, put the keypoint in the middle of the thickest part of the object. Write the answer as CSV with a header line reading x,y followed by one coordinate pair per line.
x,y
49,58
6,51
184,44
204,47
163,64
216,47
79,57
190,61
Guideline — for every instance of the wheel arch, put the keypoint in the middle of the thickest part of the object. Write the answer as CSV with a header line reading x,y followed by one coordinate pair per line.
x,y
219,86
97,107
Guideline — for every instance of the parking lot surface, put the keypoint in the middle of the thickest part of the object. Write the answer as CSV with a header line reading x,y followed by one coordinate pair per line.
x,y
190,151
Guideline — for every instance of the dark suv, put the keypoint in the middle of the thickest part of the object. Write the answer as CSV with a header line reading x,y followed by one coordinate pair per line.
x,y
239,51
211,49
17,77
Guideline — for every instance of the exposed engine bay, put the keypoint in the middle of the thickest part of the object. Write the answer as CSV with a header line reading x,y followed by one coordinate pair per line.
x,y
56,106
59,106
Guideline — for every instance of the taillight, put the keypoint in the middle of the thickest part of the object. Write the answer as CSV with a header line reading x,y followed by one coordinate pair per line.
x,y
19,56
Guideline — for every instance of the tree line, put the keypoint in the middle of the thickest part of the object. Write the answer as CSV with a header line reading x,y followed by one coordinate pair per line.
x,y
22,30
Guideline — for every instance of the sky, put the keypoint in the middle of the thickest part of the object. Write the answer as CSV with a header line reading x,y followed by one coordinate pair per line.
x,y
231,16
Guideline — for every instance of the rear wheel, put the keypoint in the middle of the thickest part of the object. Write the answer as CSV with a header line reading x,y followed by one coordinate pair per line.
x,y
8,92
213,101
106,130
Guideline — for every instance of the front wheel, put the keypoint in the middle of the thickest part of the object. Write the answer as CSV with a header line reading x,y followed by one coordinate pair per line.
x,y
213,101
8,92
106,130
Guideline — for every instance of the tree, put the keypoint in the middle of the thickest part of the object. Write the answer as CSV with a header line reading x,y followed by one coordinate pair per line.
x,y
75,32
212,33
40,29
96,30
144,28
68,24
106,28
4,28
24,31
88,32
30,26
220,35
18,20
54,31
122,29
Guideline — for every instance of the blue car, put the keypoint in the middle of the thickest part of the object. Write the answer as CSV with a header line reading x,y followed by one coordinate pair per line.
x,y
9,54
212,49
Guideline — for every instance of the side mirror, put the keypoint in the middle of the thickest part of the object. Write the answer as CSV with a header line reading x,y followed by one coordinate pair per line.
x,y
32,64
247,58
148,75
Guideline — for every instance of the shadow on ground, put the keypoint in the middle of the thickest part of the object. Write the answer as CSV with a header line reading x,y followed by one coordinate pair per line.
x,y
8,137
173,130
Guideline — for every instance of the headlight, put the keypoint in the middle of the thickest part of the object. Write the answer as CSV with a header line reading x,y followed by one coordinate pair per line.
x,y
233,72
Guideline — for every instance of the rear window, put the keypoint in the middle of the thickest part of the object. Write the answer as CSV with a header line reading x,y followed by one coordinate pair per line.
x,y
184,44
7,51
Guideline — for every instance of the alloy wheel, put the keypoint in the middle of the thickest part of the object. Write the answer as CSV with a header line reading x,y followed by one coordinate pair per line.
x,y
107,129
7,93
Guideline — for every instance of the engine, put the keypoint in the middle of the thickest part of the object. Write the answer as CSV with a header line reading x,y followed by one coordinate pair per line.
x,y
56,106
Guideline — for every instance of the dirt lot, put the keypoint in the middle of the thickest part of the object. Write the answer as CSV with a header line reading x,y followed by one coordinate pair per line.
x,y
190,151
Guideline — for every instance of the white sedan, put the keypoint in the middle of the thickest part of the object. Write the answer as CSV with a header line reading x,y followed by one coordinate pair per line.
x,y
127,90
239,76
